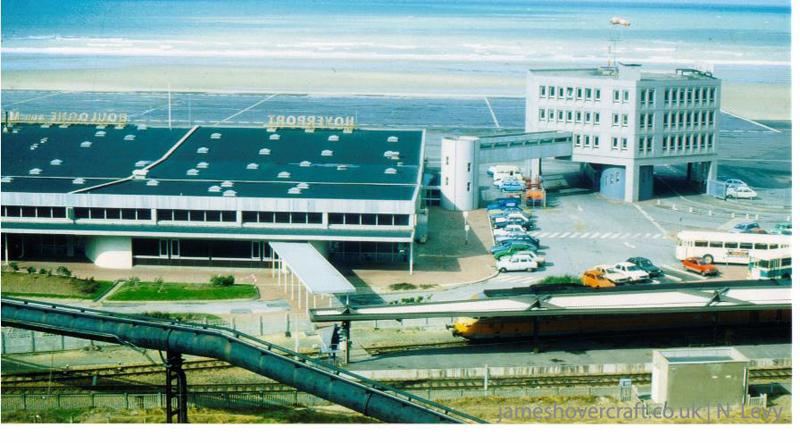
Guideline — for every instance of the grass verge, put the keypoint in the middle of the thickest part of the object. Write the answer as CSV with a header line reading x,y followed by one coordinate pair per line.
x,y
52,286
147,291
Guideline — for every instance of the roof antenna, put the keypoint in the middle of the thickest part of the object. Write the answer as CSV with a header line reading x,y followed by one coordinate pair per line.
x,y
613,38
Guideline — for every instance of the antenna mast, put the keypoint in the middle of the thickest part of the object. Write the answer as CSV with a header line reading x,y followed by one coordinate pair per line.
x,y
169,106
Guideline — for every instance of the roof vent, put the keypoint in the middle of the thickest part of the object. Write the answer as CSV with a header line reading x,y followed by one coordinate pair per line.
x,y
43,140
216,136
202,165
34,146
192,172
6,180
264,151
284,174
333,138
78,181
35,171
390,171
139,174
202,150
63,125
252,166
129,137
55,162
309,130
341,167
214,188
229,193
390,154
305,163
227,184
326,153
152,182
100,134
274,136
142,163
141,127
86,144
45,125
399,163
295,191
392,139
100,127
302,186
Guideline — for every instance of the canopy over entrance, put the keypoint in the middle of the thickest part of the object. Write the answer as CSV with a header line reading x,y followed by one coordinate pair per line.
x,y
310,268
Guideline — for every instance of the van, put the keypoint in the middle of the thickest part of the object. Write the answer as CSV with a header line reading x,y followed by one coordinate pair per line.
x,y
502,172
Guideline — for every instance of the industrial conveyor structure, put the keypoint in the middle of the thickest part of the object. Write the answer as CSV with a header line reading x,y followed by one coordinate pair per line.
x,y
280,364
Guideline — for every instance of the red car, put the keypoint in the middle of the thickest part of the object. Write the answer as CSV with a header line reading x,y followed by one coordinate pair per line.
x,y
696,264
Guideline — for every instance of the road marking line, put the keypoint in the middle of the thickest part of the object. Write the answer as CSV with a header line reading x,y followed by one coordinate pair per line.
x,y
651,219
595,235
625,235
564,235
243,110
615,235
36,98
491,111
575,235
636,235
672,277
586,235
686,272
750,121
629,245
607,234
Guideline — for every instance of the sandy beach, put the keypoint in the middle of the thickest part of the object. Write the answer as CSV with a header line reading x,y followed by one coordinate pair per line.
x,y
752,100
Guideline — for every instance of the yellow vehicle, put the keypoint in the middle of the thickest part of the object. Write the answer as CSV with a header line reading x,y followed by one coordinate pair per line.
x,y
595,278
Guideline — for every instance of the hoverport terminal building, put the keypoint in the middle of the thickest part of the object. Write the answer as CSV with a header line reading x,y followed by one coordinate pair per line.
x,y
124,194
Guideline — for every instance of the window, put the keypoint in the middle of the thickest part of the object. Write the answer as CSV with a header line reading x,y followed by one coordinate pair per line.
x,y
401,220
624,143
579,92
625,96
336,219
447,160
570,92
586,141
761,246
560,92
587,117
469,166
732,245
617,96
250,217
597,118
551,115
542,91
578,117
542,114
715,244
576,140
385,219
369,219
552,92
569,116
701,244
745,246
596,143
614,142
588,93
597,94
561,116
625,120
315,217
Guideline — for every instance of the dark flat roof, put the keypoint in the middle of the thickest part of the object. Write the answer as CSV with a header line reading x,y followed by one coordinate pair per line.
x,y
362,164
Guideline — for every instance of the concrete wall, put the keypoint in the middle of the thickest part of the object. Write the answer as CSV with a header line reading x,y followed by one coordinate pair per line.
x,y
459,182
612,182
110,252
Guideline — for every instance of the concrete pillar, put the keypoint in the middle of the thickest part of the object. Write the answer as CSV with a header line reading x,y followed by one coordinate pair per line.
x,y
631,183
411,258
711,173
536,167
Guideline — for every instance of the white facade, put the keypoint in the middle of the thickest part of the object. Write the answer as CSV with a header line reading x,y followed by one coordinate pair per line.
x,y
459,180
110,252
620,116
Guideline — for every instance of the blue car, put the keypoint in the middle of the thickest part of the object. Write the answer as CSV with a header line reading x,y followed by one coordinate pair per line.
x,y
512,186
516,241
502,203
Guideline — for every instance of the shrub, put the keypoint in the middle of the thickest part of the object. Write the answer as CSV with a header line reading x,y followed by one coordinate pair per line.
x,y
31,270
160,282
63,271
88,286
402,286
14,266
43,271
561,280
134,281
222,280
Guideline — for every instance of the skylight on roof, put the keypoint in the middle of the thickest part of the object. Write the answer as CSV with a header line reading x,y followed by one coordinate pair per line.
x,y
326,153
43,140
275,137
202,165
341,167
214,188
202,150
86,144
100,134
302,185
264,151
142,163
216,136
152,182
295,190
333,138
35,171
227,184
305,163
392,139
55,162
192,172
284,174
129,137
6,180
229,193
141,127
252,166
390,171
78,181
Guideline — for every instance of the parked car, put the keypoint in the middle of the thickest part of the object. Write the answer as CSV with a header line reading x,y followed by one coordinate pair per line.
x,y
529,253
696,264
734,183
512,214
501,203
742,192
511,237
512,186
527,241
517,263
503,222
781,229
596,279
510,229
646,265
509,210
612,274
634,272
512,249
745,227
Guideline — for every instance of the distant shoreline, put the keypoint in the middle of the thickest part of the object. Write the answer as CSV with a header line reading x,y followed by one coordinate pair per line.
x,y
757,101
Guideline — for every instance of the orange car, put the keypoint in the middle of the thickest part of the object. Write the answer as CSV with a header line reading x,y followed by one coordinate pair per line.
x,y
594,278
696,264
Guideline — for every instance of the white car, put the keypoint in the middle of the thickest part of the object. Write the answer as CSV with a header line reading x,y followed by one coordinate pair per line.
x,y
735,183
633,272
613,274
509,230
517,262
501,178
537,258
742,192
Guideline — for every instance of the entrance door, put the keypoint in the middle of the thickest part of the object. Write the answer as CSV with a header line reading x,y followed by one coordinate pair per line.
x,y
175,250
255,250
163,248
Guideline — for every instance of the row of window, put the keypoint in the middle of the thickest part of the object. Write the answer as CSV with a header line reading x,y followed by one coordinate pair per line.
x,y
647,97
560,115
688,119
112,213
733,245
688,141
368,219
586,141
281,217
571,93
687,96
195,215
34,211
